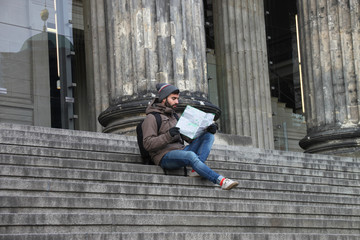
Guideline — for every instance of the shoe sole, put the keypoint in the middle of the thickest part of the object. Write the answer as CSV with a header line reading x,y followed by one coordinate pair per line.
x,y
234,184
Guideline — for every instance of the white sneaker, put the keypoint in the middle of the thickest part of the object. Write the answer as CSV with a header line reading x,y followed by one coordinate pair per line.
x,y
229,184
192,173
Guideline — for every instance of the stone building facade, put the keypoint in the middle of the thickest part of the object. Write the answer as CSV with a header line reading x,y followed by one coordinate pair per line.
x,y
129,46
164,42
330,56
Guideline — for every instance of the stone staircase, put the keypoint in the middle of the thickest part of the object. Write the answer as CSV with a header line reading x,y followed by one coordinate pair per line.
x,y
61,184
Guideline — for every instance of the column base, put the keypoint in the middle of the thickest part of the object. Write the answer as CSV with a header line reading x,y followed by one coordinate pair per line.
x,y
124,114
342,142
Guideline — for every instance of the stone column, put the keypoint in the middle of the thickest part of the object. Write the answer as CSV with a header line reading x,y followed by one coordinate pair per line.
x,y
330,56
96,53
149,42
242,70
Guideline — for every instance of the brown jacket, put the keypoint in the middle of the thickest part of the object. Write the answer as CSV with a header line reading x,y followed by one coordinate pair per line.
x,y
160,143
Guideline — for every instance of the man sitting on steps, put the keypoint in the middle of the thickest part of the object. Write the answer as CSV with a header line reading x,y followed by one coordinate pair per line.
x,y
166,146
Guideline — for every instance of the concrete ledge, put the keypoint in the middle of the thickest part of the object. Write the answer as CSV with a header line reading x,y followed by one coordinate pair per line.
x,y
122,205
269,182
179,236
267,167
19,223
225,142
59,188
233,140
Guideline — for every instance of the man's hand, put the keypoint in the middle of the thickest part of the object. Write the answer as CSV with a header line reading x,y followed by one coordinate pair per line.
x,y
174,131
212,128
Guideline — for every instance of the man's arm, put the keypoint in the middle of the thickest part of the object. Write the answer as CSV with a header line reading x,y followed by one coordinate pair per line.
x,y
154,141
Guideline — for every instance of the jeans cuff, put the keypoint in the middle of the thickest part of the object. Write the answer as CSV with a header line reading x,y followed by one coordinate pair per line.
x,y
218,180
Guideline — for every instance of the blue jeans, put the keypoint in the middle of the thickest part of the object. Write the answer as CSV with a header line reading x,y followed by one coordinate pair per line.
x,y
194,155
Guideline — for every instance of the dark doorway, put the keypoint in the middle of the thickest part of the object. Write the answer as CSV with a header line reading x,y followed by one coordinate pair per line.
x,y
282,52
54,89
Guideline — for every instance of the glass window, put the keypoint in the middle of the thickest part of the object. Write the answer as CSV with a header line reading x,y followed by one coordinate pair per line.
x,y
41,42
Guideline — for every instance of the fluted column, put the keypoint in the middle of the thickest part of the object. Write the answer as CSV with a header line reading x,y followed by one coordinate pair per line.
x,y
242,70
330,56
149,42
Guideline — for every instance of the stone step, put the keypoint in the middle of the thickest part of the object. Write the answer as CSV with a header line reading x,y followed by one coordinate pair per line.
x,y
117,140
126,144
179,236
74,163
69,153
51,205
267,167
125,154
349,186
43,133
300,163
131,150
49,134
122,146
244,168
131,142
61,132
250,181
92,223
63,141
64,184
87,189
259,155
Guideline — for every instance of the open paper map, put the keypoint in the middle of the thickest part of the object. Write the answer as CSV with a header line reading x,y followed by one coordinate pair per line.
x,y
193,122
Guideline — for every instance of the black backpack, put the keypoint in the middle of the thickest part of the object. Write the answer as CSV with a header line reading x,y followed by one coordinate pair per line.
x,y
146,159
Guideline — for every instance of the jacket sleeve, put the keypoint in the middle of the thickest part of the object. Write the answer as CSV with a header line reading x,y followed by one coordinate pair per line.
x,y
153,140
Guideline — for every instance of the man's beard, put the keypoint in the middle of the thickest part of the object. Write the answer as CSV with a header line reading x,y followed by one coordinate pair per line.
x,y
167,104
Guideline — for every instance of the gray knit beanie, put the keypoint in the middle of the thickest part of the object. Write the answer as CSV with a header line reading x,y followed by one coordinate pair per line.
x,y
165,89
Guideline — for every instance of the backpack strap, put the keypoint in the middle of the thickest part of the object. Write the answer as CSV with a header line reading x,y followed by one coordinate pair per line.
x,y
176,116
158,119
